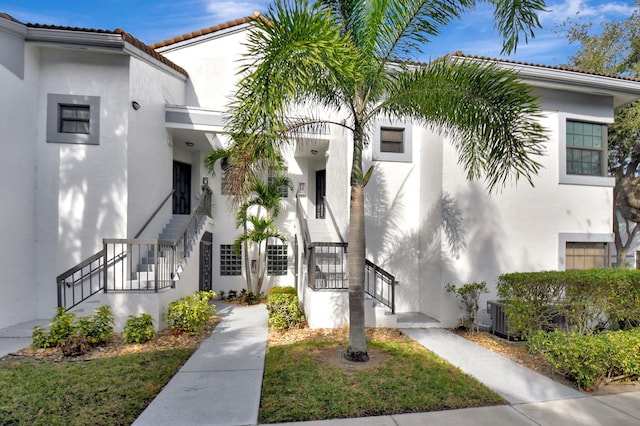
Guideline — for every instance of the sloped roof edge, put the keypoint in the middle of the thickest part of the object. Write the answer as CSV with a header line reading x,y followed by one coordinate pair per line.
x,y
208,30
126,37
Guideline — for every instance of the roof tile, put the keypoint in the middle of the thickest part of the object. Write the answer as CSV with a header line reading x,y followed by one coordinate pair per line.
x,y
205,31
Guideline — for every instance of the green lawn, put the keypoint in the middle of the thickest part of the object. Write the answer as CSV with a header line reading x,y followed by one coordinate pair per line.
x,y
298,386
107,391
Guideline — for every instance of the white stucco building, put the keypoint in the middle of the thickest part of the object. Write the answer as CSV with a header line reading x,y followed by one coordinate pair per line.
x,y
98,129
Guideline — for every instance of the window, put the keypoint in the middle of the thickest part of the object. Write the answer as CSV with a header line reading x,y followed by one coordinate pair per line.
x,y
586,255
586,148
391,140
277,260
230,263
73,119
272,174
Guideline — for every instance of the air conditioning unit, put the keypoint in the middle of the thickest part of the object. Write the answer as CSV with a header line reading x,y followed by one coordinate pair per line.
x,y
499,326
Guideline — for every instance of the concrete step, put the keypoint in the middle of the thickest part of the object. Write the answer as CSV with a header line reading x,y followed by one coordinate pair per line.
x,y
417,320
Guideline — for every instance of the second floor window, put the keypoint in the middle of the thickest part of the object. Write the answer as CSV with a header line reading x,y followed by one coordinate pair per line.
x,y
586,148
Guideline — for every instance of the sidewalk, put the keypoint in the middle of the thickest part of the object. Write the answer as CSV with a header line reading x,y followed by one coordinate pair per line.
x,y
220,384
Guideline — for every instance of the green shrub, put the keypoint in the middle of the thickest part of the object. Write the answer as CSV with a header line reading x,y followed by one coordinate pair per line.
x,y
589,360
190,313
139,329
575,356
468,295
61,327
284,310
97,328
588,300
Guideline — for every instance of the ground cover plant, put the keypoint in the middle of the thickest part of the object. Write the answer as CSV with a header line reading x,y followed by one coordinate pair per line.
x,y
106,391
309,380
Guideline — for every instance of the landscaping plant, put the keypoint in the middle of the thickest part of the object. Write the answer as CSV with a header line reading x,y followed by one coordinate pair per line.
x,y
468,295
139,329
190,313
82,332
284,308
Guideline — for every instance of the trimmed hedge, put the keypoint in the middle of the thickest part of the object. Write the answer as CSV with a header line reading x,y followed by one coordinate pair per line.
x,y
591,360
587,300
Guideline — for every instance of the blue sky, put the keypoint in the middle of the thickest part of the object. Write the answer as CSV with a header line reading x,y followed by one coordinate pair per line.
x,y
157,20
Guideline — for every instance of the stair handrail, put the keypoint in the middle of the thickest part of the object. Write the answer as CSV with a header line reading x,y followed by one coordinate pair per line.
x,y
386,277
153,215
203,208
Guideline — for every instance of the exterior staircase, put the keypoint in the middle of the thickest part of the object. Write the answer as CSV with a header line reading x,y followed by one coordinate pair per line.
x,y
144,273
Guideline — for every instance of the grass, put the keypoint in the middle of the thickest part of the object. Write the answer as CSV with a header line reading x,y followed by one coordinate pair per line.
x,y
297,387
107,391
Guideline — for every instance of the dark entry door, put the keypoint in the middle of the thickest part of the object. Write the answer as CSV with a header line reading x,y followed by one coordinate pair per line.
x,y
321,191
205,261
182,186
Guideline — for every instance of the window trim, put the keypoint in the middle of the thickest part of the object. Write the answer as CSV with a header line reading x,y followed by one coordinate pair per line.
x,y
570,179
564,238
402,157
54,134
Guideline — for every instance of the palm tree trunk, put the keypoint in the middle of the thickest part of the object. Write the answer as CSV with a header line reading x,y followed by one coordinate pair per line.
x,y
357,348
247,266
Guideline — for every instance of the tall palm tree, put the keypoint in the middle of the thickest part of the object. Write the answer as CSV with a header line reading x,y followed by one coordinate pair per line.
x,y
349,57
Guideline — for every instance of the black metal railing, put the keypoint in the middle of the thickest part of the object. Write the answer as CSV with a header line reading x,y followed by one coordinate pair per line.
x,y
380,285
327,266
133,264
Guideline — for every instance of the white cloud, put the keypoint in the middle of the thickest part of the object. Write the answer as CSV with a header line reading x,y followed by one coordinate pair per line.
x,y
226,10
597,10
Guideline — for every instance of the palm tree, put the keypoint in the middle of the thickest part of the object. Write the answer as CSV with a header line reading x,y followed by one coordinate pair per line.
x,y
351,57
259,231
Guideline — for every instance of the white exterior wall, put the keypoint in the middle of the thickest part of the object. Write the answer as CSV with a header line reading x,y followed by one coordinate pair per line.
x,y
81,198
150,151
518,229
18,191
211,62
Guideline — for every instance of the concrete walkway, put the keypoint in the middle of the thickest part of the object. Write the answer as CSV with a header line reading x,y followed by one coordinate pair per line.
x,y
221,383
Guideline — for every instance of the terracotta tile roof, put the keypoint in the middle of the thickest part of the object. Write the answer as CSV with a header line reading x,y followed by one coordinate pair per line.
x,y
150,51
204,31
555,67
125,36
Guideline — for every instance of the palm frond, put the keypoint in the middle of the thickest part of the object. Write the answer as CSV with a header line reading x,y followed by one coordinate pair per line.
x,y
492,117
516,18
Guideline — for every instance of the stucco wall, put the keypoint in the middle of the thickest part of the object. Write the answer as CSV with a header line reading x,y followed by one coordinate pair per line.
x,y
81,189
518,227
18,192
212,65
149,151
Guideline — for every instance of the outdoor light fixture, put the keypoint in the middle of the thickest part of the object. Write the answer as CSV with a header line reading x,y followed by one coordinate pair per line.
x,y
189,144
136,105
205,180
314,151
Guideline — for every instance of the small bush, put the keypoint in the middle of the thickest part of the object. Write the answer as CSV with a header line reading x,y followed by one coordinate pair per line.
x,y
61,327
284,309
190,313
468,295
139,329
97,328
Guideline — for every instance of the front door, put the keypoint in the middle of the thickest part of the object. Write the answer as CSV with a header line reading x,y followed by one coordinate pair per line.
x,y
321,191
182,187
205,261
